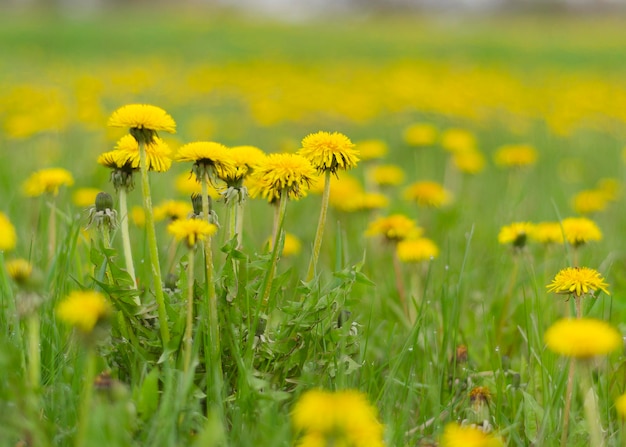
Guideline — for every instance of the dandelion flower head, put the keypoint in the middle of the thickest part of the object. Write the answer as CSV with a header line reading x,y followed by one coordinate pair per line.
x,y
209,158
577,281
458,140
515,234
417,250
245,160
143,120
394,228
172,210
19,270
590,201
279,174
547,233
83,309
469,162
372,149
455,435
515,156
158,153
580,230
47,181
386,175
420,134
428,194
582,337
8,236
329,151
191,230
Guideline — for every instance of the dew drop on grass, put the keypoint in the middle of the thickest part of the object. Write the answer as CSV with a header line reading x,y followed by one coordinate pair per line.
x,y
497,348
411,349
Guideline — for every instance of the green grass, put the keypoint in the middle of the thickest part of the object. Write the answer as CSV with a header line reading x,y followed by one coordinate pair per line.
x,y
274,351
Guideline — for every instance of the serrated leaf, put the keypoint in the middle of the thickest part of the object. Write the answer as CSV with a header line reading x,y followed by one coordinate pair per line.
x,y
533,415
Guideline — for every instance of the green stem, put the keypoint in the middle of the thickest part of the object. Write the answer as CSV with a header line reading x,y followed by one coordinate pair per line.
x,y
507,298
592,413
52,229
85,399
239,210
188,340
153,247
397,268
34,353
128,254
278,230
568,404
212,347
317,245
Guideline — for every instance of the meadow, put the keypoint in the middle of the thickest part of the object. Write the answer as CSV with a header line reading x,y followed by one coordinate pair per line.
x,y
430,297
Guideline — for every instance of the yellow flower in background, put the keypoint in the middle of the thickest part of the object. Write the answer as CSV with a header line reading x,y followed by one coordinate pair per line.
x,y
420,134
85,197
394,228
83,309
611,188
578,281
329,151
209,157
8,236
458,140
47,181
582,338
428,193
589,201
515,234
245,159
386,175
455,435
187,184
580,230
620,406
372,149
143,120
547,233
515,156
138,216
172,210
19,270
291,247
279,174
158,153
336,418
416,250
191,230
469,162
342,188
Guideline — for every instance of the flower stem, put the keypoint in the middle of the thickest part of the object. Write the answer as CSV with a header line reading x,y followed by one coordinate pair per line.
x,y
128,254
85,399
212,346
152,246
52,229
278,230
34,353
188,340
592,413
568,404
397,268
321,223
239,210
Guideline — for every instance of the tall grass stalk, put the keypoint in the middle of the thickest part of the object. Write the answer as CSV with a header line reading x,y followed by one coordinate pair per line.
x,y
86,398
319,234
188,338
279,219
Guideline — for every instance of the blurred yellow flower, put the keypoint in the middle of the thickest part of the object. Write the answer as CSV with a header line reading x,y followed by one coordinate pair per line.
x,y
191,230
455,435
172,210
8,236
158,153
416,250
291,247
138,216
458,140
580,230
420,134
515,155
578,281
372,149
47,181
245,159
394,228
386,175
336,418
19,270
279,174
620,406
208,157
83,309
515,234
547,233
469,162
329,151
187,184
582,337
589,201
428,193
85,197
610,187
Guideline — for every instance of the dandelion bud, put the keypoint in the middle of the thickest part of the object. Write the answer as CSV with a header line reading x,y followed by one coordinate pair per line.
x,y
104,201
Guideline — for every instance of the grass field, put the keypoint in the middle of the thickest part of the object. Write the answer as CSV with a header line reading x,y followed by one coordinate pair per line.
x,y
421,340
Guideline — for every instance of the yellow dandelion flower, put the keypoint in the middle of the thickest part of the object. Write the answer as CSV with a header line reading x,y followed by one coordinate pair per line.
x,y
8,236
329,151
578,281
589,201
19,270
394,228
610,187
547,233
138,216
515,234
342,189
245,159
291,247
279,174
186,184
387,175
158,153
455,435
428,193
83,309
620,406
113,159
372,149
191,230
417,250
458,140
172,210
345,417
420,134
208,157
580,230
84,197
469,162
480,394
515,156
582,337
47,181
143,120
369,201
